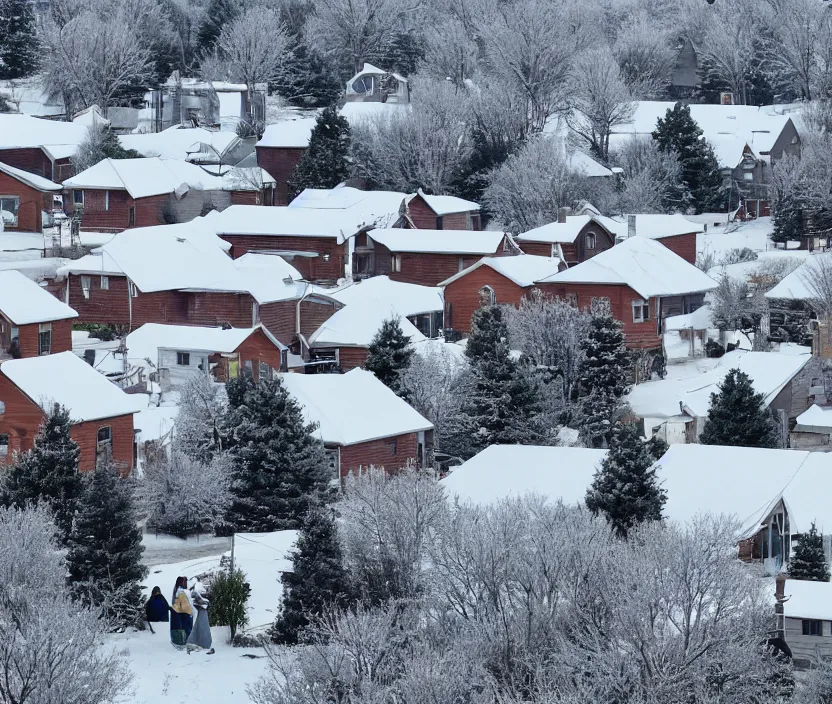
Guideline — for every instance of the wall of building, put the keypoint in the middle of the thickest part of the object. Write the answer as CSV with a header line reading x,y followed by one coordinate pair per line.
x,y
86,435
217,308
32,204
577,251
391,453
61,338
424,218
313,314
259,348
462,297
352,357
31,159
20,420
280,164
114,216
430,269
311,268
279,319
683,245
808,648
108,306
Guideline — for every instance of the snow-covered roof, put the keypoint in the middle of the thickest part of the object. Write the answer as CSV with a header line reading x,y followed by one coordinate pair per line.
x,y
795,286
566,232
96,263
646,266
585,164
29,96
356,325
146,341
20,131
700,319
503,471
657,227
153,176
438,241
362,111
405,299
91,116
695,381
353,407
68,380
274,265
294,133
816,417
807,599
180,142
22,301
154,422
37,182
445,205
522,269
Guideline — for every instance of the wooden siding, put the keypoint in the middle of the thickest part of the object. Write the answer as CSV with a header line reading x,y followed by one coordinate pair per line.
x,y
431,269
31,159
351,357
424,218
577,251
279,319
313,314
462,297
32,204
280,163
637,335
808,648
115,215
259,348
540,249
379,453
61,338
311,268
683,245
86,435
109,307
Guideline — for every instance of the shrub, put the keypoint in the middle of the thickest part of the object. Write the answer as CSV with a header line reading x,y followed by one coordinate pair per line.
x,y
229,595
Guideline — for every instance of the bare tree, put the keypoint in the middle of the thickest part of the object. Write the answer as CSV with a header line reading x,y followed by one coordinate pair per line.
x,y
255,46
816,275
600,100
199,429
643,48
51,649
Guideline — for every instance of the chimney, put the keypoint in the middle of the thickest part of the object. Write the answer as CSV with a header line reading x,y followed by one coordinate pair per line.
x,y
562,214
780,587
631,226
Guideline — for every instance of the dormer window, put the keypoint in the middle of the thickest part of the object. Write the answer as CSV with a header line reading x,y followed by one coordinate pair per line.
x,y
590,240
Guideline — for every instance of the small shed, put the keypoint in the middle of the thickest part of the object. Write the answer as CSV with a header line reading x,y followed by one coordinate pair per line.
x,y
806,622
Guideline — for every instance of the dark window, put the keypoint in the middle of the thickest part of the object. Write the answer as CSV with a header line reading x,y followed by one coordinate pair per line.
x,y
104,446
262,371
4,446
131,216
487,297
183,359
812,628
590,240
9,209
394,446
45,338
78,197
439,222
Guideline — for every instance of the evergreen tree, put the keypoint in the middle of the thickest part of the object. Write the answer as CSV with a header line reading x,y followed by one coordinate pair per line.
x,y
48,473
104,561
738,416
503,402
808,559
679,133
279,468
625,488
389,355
99,144
788,218
605,364
19,44
307,79
318,579
218,14
324,164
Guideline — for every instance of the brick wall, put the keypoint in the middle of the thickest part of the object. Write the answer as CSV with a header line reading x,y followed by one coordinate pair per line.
x,y
31,159
683,245
86,435
462,297
61,338
391,453
312,268
32,203
280,164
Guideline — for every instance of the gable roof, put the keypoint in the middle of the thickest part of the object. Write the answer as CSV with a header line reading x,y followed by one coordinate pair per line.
x,y
438,241
794,286
807,599
22,131
33,180
22,301
353,407
646,266
68,380
445,205
356,325
656,226
292,133
567,232
405,299
522,269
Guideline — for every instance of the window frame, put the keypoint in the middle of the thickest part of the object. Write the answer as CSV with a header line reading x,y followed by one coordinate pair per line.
x,y
131,216
809,625
134,290
591,243
103,447
106,200
78,196
4,453
44,329
16,222
104,283
492,296
644,308
183,359
396,263
263,370
86,286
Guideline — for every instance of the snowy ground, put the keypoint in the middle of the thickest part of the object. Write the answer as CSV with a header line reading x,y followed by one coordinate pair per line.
x,y
164,674
755,234
166,549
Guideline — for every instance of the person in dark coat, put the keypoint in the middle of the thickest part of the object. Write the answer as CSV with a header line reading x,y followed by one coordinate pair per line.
x,y
156,608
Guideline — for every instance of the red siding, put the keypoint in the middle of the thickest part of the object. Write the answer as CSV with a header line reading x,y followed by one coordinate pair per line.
x,y
259,348
313,314
577,251
430,269
279,319
683,245
86,435
61,338
311,268
352,357
115,218
462,297
110,307
31,159
32,203
379,453
541,249
424,218
280,164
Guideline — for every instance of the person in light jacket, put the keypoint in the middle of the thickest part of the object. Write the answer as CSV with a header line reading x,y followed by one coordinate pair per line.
x,y
200,637
181,621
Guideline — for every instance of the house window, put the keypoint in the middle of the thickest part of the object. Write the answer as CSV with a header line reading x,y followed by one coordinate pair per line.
x,y
45,338
263,370
641,311
394,447
4,446
506,244
104,446
131,216
590,240
106,200
812,627
460,264
487,297
134,292
9,208
396,262
86,284
572,299
105,283
439,223
183,359
748,176
554,251
78,198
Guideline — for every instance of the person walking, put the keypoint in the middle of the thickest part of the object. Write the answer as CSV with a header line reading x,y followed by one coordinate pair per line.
x,y
200,637
156,608
181,621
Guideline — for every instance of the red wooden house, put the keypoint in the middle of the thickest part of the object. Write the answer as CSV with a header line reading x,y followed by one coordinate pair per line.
x,y
117,194
361,422
441,212
643,282
41,147
424,257
280,149
24,197
32,321
492,280
675,232
101,412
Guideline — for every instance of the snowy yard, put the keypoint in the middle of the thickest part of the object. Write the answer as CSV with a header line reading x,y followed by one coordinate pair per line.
x,y
754,234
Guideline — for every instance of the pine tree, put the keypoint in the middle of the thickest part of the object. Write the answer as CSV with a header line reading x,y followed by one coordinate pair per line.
x,y
279,468
738,416
788,218
389,355
218,14
19,44
808,559
503,403
48,473
307,79
606,362
625,488
318,579
679,133
104,561
324,164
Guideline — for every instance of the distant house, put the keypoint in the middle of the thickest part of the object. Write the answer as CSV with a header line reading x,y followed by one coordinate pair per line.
x,y
428,212
643,282
32,321
26,200
41,147
492,280
804,619
685,77
280,149
813,427
116,194
424,257
675,232
174,353
361,422
373,84
102,414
